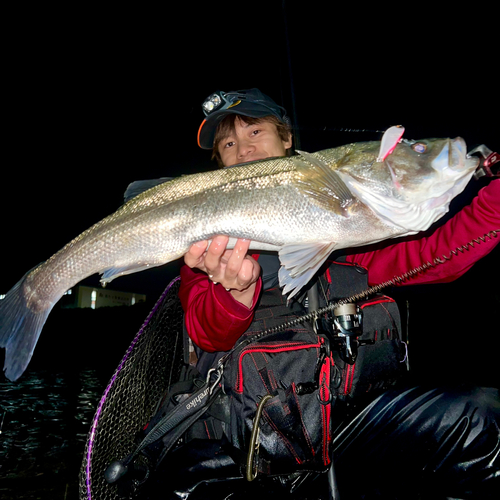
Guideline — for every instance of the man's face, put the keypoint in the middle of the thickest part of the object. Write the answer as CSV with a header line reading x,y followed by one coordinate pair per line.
x,y
252,142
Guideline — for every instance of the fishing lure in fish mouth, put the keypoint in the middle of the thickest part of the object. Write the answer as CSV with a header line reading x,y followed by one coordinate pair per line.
x,y
389,141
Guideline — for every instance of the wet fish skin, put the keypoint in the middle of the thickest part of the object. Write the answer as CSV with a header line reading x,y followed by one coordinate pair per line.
x,y
304,207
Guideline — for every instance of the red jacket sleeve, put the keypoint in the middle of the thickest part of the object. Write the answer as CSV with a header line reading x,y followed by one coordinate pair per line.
x,y
214,319
472,222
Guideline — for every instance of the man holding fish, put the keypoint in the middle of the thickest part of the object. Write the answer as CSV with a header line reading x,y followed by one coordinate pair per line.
x,y
447,439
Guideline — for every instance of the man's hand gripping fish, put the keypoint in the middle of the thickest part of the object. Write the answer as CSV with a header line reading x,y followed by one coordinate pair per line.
x,y
303,207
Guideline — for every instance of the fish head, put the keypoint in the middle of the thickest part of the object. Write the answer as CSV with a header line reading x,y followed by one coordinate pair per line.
x,y
413,186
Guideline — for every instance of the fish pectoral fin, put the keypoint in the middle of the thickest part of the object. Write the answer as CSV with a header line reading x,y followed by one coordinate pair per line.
x,y
299,263
114,272
322,183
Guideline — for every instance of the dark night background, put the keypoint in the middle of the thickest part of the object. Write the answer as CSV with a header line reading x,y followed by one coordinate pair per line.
x,y
98,98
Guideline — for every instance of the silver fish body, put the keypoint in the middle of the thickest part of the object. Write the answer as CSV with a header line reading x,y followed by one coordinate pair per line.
x,y
303,206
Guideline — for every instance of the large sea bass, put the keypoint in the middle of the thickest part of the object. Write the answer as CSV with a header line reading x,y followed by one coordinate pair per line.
x,y
303,206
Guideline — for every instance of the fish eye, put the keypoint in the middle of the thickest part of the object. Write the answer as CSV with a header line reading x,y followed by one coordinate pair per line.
x,y
419,147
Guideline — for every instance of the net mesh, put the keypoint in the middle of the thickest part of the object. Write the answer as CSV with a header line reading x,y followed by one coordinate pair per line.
x,y
151,364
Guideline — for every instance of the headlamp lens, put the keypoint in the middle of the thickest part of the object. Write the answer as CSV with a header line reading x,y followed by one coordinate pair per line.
x,y
212,103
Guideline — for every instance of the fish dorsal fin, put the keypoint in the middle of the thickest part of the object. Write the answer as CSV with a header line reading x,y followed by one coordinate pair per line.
x,y
322,183
299,263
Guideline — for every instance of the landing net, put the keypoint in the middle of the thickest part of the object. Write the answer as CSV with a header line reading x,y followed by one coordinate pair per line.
x,y
151,364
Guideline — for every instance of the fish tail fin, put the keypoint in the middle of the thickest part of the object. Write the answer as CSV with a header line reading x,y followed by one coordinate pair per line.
x,y
20,328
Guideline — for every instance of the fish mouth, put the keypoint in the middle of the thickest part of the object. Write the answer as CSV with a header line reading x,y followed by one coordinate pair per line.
x,y
454,156
454,170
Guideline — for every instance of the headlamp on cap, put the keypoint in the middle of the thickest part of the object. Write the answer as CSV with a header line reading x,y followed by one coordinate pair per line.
x,y
211,103
219,101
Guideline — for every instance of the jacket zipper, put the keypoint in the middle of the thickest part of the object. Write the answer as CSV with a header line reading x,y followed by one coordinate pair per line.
x,y
270,348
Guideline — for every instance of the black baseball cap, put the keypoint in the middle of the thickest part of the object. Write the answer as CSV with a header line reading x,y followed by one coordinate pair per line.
x,y
250,102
